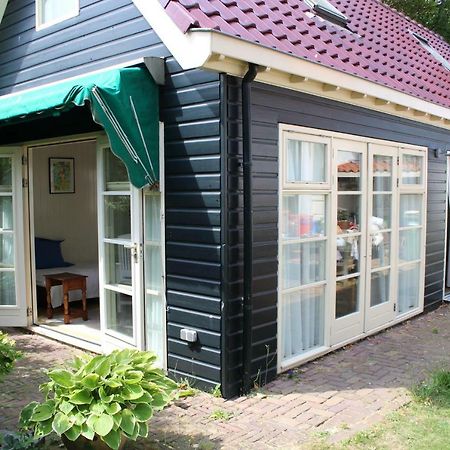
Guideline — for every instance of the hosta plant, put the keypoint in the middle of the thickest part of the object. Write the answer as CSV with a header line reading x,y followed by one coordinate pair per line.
x,y
8,354
102,398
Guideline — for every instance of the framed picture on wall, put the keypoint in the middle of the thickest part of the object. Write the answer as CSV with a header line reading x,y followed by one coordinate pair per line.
x,y
62,175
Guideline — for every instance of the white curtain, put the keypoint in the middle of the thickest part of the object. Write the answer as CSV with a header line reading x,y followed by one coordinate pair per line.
x,y
154,299
306,161
408,288
7,288
55,9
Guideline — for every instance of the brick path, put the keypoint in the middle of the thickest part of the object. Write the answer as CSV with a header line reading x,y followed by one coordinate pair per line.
x,y
341,393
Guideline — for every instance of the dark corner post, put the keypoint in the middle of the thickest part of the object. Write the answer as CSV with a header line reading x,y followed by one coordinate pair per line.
x,y
248,226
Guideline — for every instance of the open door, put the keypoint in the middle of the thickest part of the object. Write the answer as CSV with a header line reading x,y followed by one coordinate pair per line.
x,y
13,306
120,254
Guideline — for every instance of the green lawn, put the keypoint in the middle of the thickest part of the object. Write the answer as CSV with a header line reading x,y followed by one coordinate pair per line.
x,y
422,424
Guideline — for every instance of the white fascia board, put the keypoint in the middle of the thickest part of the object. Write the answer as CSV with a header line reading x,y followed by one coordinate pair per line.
x,y
191,50
3,5
235,49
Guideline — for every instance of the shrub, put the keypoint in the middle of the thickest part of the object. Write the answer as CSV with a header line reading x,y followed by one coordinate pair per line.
x,y
436,389
8,354
104,397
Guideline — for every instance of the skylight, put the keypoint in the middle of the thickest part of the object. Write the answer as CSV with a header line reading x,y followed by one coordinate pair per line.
x,y
327,11
433,52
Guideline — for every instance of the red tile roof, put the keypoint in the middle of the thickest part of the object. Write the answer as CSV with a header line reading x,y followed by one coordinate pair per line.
x,y
380,49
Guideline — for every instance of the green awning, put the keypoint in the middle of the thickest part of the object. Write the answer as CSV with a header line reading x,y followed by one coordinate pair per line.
x,y
123,101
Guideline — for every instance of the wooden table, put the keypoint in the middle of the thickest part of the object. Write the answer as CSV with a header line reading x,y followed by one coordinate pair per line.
x,y
69,282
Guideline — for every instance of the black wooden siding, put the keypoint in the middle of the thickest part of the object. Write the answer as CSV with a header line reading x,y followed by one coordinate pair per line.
x,y
270,107
106,33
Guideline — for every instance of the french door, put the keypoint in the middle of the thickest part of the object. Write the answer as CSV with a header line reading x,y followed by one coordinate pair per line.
x,y
351,245
121,254
13,307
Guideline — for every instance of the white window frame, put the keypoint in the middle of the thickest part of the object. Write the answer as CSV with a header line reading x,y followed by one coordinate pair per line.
x,y
40,24
314,135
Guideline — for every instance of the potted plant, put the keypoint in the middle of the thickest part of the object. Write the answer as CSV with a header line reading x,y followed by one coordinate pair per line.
x,y
100,402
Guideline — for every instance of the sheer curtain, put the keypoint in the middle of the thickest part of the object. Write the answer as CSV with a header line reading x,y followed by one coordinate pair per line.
x,y
54,9
306,161
154,295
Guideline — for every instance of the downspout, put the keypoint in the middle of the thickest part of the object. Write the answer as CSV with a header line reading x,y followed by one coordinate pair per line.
x,y
248,227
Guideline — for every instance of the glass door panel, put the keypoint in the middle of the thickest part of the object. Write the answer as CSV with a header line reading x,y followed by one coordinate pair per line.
x,y
350,171
12,270
120,251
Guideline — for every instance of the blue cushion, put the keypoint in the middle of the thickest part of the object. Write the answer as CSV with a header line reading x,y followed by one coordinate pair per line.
x,y
48,254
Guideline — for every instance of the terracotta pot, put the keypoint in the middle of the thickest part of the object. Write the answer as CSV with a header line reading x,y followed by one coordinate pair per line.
x,y
85,444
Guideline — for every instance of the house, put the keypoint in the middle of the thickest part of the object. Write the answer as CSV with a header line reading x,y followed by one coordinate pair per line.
x,y
246,185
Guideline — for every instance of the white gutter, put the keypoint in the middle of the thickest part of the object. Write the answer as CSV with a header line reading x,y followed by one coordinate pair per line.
x,y
223,53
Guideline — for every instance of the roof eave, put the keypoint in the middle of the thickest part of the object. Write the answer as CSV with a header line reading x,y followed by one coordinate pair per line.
x,y
209,49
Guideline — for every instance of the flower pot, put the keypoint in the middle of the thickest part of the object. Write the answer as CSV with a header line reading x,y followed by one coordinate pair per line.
x,y
85,444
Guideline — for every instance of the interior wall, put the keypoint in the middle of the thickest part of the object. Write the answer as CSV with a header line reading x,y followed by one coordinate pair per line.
x,y
72,217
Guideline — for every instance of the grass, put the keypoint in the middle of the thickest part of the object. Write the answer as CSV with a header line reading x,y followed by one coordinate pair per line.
x,y
221,414
424,424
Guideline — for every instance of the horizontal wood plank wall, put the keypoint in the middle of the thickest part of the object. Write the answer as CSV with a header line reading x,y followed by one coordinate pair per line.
x,y
190,111
270,107
105,33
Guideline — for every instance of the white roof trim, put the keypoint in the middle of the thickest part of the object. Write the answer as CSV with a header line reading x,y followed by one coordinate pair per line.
x,y
3,4
216,51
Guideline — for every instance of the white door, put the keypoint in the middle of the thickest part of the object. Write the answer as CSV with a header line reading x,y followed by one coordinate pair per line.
x,y
13,307
351,231
120,254
383,235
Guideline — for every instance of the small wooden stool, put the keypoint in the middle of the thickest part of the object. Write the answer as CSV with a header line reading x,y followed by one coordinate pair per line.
x,y
69,282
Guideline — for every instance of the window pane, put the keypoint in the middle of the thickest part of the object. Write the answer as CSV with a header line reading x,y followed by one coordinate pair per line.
x,y
381,211
5,174
379,287
304,216
347,297
7,289
119,312
347,255
306,162
408,288
6,213
409,245
153,268
152,218
117,265
155,319
303,321
117,217
349,171
348,213
303,263
381,249
116,175
382,173
410,210
52,10
6,250
412,169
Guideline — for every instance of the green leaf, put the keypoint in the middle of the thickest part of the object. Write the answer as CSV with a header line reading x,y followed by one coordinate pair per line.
x,y
145,398
73,433
133,376
104,367
143,412
159,400
113,408
26,413
128,421
113,439
93,363
43,412
82,397
104,397
117,420
87,432
61,423
66,407
97,408
132,392
113,383
62,377
103,424
90,381
143,429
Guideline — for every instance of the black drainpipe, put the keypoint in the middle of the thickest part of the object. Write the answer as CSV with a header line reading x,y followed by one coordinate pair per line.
x,y
248,226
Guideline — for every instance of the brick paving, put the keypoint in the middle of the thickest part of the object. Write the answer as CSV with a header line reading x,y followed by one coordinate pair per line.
x,y
339,394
